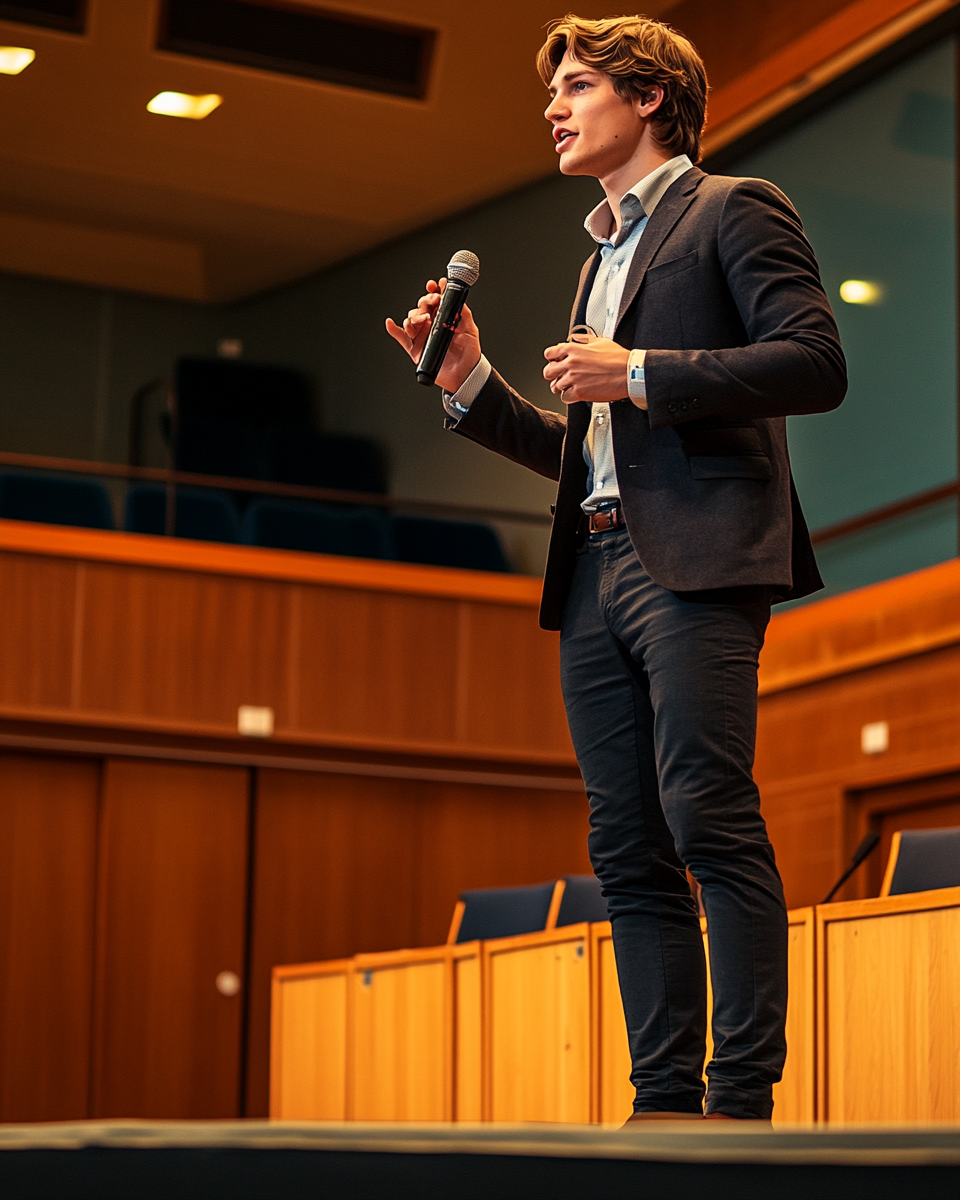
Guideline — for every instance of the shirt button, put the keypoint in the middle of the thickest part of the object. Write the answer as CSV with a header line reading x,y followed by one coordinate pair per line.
x,y
601,482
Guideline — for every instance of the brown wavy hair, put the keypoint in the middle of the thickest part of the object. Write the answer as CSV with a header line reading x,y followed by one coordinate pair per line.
x,y
637,53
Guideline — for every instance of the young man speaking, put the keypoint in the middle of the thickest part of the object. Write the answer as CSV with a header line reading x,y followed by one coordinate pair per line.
x,y
676,526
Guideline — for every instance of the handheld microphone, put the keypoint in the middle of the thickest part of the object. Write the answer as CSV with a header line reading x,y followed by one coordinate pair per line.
x,y
463,271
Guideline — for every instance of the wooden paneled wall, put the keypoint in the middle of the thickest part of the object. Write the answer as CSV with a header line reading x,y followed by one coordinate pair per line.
x,y
127,631
419,749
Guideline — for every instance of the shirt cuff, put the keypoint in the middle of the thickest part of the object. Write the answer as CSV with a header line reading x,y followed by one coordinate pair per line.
x,y
636,381
458,403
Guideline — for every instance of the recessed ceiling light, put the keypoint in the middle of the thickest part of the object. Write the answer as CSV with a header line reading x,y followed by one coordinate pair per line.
x,y
860,291
180,104
13,59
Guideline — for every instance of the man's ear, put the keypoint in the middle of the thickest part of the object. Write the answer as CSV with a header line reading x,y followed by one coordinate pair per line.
x,y
650,99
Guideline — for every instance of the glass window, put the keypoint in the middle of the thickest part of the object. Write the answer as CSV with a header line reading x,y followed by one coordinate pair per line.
x,y
873,179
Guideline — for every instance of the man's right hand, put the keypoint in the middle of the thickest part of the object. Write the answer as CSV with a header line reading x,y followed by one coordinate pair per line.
x,y
464,350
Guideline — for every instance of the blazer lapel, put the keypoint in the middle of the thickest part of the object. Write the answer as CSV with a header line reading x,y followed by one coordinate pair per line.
x,y
668,212
588,273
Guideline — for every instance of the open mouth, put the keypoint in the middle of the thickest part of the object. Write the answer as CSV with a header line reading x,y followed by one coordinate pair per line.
x,y
563,137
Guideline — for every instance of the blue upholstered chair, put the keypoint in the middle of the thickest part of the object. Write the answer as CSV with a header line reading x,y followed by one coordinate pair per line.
x,y
921,860
442,543
330,460
291,525
581,901
55,500
206,515
502,912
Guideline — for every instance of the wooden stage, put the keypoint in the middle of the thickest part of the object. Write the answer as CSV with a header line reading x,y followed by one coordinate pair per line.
x,y
259,1160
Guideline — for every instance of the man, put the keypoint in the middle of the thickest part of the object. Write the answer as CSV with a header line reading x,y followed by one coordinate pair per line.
x,y
676,526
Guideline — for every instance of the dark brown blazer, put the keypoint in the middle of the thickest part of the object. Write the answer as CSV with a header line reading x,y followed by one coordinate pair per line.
x,y
724,293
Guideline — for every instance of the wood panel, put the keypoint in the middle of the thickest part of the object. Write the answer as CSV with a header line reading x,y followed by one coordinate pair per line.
x,y
178,646
401,1036
795,1096
613,1091
336,873
308,1042
48,829
510,698
537,1026
467,1032
477,837
887,1015
38,611
919,804
377,665
171,908
810,765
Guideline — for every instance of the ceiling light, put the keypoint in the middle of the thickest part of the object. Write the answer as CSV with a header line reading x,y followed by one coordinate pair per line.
x,y
14,58
180,104
860,291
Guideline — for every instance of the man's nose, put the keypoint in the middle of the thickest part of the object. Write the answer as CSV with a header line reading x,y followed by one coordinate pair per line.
x,y
555,110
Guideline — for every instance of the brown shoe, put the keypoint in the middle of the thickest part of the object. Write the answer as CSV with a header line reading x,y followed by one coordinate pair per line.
x,y
636,1118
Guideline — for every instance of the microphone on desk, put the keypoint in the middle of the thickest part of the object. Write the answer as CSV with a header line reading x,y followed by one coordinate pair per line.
x,y
863,851
463,271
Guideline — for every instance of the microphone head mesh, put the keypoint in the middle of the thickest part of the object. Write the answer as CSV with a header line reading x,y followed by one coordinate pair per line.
x,y
464,266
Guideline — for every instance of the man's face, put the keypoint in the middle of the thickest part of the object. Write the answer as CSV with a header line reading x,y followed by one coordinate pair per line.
x,y
596,131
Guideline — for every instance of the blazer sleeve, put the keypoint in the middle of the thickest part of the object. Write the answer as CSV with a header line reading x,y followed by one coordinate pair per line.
x,y
793,362
501,420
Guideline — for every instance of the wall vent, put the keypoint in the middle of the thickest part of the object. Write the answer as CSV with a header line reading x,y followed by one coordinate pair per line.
x,y
295,40
51,14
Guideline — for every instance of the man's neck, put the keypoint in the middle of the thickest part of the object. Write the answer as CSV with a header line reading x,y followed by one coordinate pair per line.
x,y
648,157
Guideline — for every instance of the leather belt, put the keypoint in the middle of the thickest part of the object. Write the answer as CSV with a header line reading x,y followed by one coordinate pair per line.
x,y
607,518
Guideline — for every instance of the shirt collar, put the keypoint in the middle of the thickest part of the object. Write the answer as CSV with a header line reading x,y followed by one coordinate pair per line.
x,y
639,202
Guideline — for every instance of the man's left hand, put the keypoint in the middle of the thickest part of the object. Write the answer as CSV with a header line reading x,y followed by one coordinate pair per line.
x,y
593,372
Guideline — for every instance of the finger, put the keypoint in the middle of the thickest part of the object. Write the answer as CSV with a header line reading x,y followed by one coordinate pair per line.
x,y
561,350
397,333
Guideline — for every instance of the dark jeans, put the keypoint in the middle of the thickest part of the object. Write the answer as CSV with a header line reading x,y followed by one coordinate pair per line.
x,y
661,697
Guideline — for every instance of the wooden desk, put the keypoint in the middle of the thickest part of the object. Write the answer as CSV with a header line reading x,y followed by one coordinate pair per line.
x,y
536,1026
308,1043
888,1008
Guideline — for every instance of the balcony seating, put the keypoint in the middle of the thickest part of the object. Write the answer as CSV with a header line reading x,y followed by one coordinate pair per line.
x,y
55,500
203,514
444,543
292,525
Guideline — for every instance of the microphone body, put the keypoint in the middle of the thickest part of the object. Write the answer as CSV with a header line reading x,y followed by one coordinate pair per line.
x,y
463,271
445,322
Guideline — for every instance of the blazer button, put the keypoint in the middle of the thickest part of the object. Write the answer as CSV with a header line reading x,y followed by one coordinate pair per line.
x,y
683,406
671,407
695,403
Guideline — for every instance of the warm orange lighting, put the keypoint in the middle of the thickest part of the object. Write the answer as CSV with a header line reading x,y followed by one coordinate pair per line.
x,y
180,104
13,59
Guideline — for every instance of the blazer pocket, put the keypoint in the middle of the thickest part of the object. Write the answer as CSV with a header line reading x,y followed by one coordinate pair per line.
x,y
730,466
673,267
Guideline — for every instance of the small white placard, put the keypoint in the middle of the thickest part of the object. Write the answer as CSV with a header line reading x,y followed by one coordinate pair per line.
x,y
254,720
875,737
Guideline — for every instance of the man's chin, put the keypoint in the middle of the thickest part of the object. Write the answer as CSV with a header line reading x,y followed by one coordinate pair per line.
x,y
569,165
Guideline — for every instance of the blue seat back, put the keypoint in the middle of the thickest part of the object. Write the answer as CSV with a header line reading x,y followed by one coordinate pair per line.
x,y
581,901
440,543
55,500
290,525
928,858
504,912
207,516
330,460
